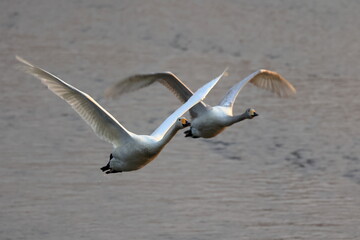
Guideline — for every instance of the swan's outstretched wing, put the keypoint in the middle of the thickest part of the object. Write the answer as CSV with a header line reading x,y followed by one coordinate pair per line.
x,y
264,79
168,79
199,95
102,122
138,81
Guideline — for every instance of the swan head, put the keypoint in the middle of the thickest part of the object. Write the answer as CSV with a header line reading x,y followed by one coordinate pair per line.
x,y
251,113
182,123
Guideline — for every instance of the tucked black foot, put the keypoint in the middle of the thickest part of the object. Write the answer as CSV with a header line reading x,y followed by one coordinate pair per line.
x,y
107,166
188,133
111,171
104,168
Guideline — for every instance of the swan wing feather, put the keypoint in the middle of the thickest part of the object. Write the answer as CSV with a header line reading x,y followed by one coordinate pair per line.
x,y
102,122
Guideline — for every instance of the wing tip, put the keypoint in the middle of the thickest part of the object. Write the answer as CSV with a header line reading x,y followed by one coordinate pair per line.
x,y
288,91
25,66
22,60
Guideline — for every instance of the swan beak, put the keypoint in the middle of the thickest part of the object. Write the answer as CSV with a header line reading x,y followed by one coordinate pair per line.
x,y
255,114
187,124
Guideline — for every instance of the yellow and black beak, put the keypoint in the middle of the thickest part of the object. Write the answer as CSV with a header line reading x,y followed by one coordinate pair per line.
x,y
185,122
252,113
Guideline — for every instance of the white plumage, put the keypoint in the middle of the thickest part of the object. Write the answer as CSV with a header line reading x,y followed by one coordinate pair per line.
x,y
131,151
207,121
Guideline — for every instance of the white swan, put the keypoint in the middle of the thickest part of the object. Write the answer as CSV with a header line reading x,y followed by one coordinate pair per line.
x,y
207,121
131,151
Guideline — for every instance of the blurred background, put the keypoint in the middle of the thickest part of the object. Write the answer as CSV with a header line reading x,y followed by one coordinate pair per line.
x,y
291,173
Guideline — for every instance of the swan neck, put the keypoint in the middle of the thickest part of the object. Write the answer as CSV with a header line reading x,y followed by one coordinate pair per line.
x,y
169,135
239,118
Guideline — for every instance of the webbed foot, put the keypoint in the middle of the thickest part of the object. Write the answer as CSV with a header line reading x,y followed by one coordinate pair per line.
x,y
111,171
107,166
188,133
104,168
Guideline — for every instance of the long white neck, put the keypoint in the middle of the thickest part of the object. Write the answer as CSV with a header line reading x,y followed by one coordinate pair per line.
x,y
238,118
168,135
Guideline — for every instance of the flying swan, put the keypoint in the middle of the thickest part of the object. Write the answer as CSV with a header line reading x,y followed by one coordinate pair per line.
x,y
207,121
131,151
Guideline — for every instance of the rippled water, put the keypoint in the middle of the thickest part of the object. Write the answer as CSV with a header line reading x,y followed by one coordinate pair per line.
x,y
189,192
291,173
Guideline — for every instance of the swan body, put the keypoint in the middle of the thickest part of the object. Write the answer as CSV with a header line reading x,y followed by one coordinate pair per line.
x,y
141,149
215,120
131,151
207,121
210,123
